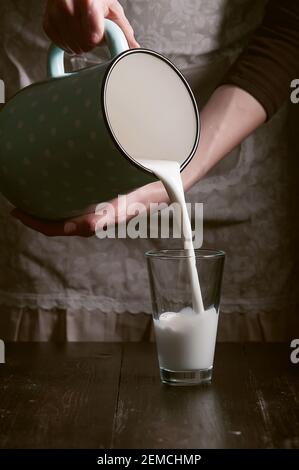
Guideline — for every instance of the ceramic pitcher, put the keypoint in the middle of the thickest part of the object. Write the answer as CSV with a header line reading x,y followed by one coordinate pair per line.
x,y
77,139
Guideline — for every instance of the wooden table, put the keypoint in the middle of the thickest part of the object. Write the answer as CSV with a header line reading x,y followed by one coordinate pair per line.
x,y
105,395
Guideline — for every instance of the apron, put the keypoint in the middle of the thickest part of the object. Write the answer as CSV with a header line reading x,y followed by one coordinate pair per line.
x,y
90,289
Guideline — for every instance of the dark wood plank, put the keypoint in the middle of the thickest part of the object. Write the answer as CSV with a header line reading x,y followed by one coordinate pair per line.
x,y
58,396
275,381
227,414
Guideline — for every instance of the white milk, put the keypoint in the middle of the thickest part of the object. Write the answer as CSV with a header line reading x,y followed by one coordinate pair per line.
x,y
169,173
186,340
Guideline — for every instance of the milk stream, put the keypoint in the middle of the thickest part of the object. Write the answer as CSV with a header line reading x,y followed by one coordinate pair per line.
x,y
186,339
169,173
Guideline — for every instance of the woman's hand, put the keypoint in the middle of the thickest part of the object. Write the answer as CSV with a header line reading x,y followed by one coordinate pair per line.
x,y
85,225
78,25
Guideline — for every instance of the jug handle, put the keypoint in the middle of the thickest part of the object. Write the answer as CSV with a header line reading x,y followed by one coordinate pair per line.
x,y
114,37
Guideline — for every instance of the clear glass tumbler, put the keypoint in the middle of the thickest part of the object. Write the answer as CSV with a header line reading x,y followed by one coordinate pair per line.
x,y
185,339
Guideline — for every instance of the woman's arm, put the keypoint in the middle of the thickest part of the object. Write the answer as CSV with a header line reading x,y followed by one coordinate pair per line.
x,y
230,116
270,62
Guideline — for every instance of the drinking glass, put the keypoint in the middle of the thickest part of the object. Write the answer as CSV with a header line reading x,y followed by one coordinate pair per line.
x,y
185,339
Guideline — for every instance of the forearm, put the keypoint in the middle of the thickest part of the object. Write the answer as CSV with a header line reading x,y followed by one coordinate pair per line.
x,y
270,62
230,115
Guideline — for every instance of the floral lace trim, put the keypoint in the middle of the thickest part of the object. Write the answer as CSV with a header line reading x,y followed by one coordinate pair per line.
x,y
74,302
102,304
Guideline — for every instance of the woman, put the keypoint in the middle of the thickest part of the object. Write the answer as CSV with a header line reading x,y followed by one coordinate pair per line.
x,y
58,288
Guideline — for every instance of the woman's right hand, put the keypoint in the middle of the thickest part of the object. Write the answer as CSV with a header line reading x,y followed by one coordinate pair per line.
x,y
87,224
77,26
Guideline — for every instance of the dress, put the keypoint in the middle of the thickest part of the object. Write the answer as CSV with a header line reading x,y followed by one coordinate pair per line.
x,y
90,289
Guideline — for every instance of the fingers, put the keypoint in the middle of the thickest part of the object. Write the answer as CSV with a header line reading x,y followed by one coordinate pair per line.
x,y
62,24
53,33
91,14
56,15
86,225
82,226
78,25
115,212
116,14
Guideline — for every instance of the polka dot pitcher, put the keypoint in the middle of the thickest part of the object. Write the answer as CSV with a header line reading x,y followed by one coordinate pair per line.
x,y
78,139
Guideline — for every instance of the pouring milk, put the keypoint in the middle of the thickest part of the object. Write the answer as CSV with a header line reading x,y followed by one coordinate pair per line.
x,y
169,173
185,339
